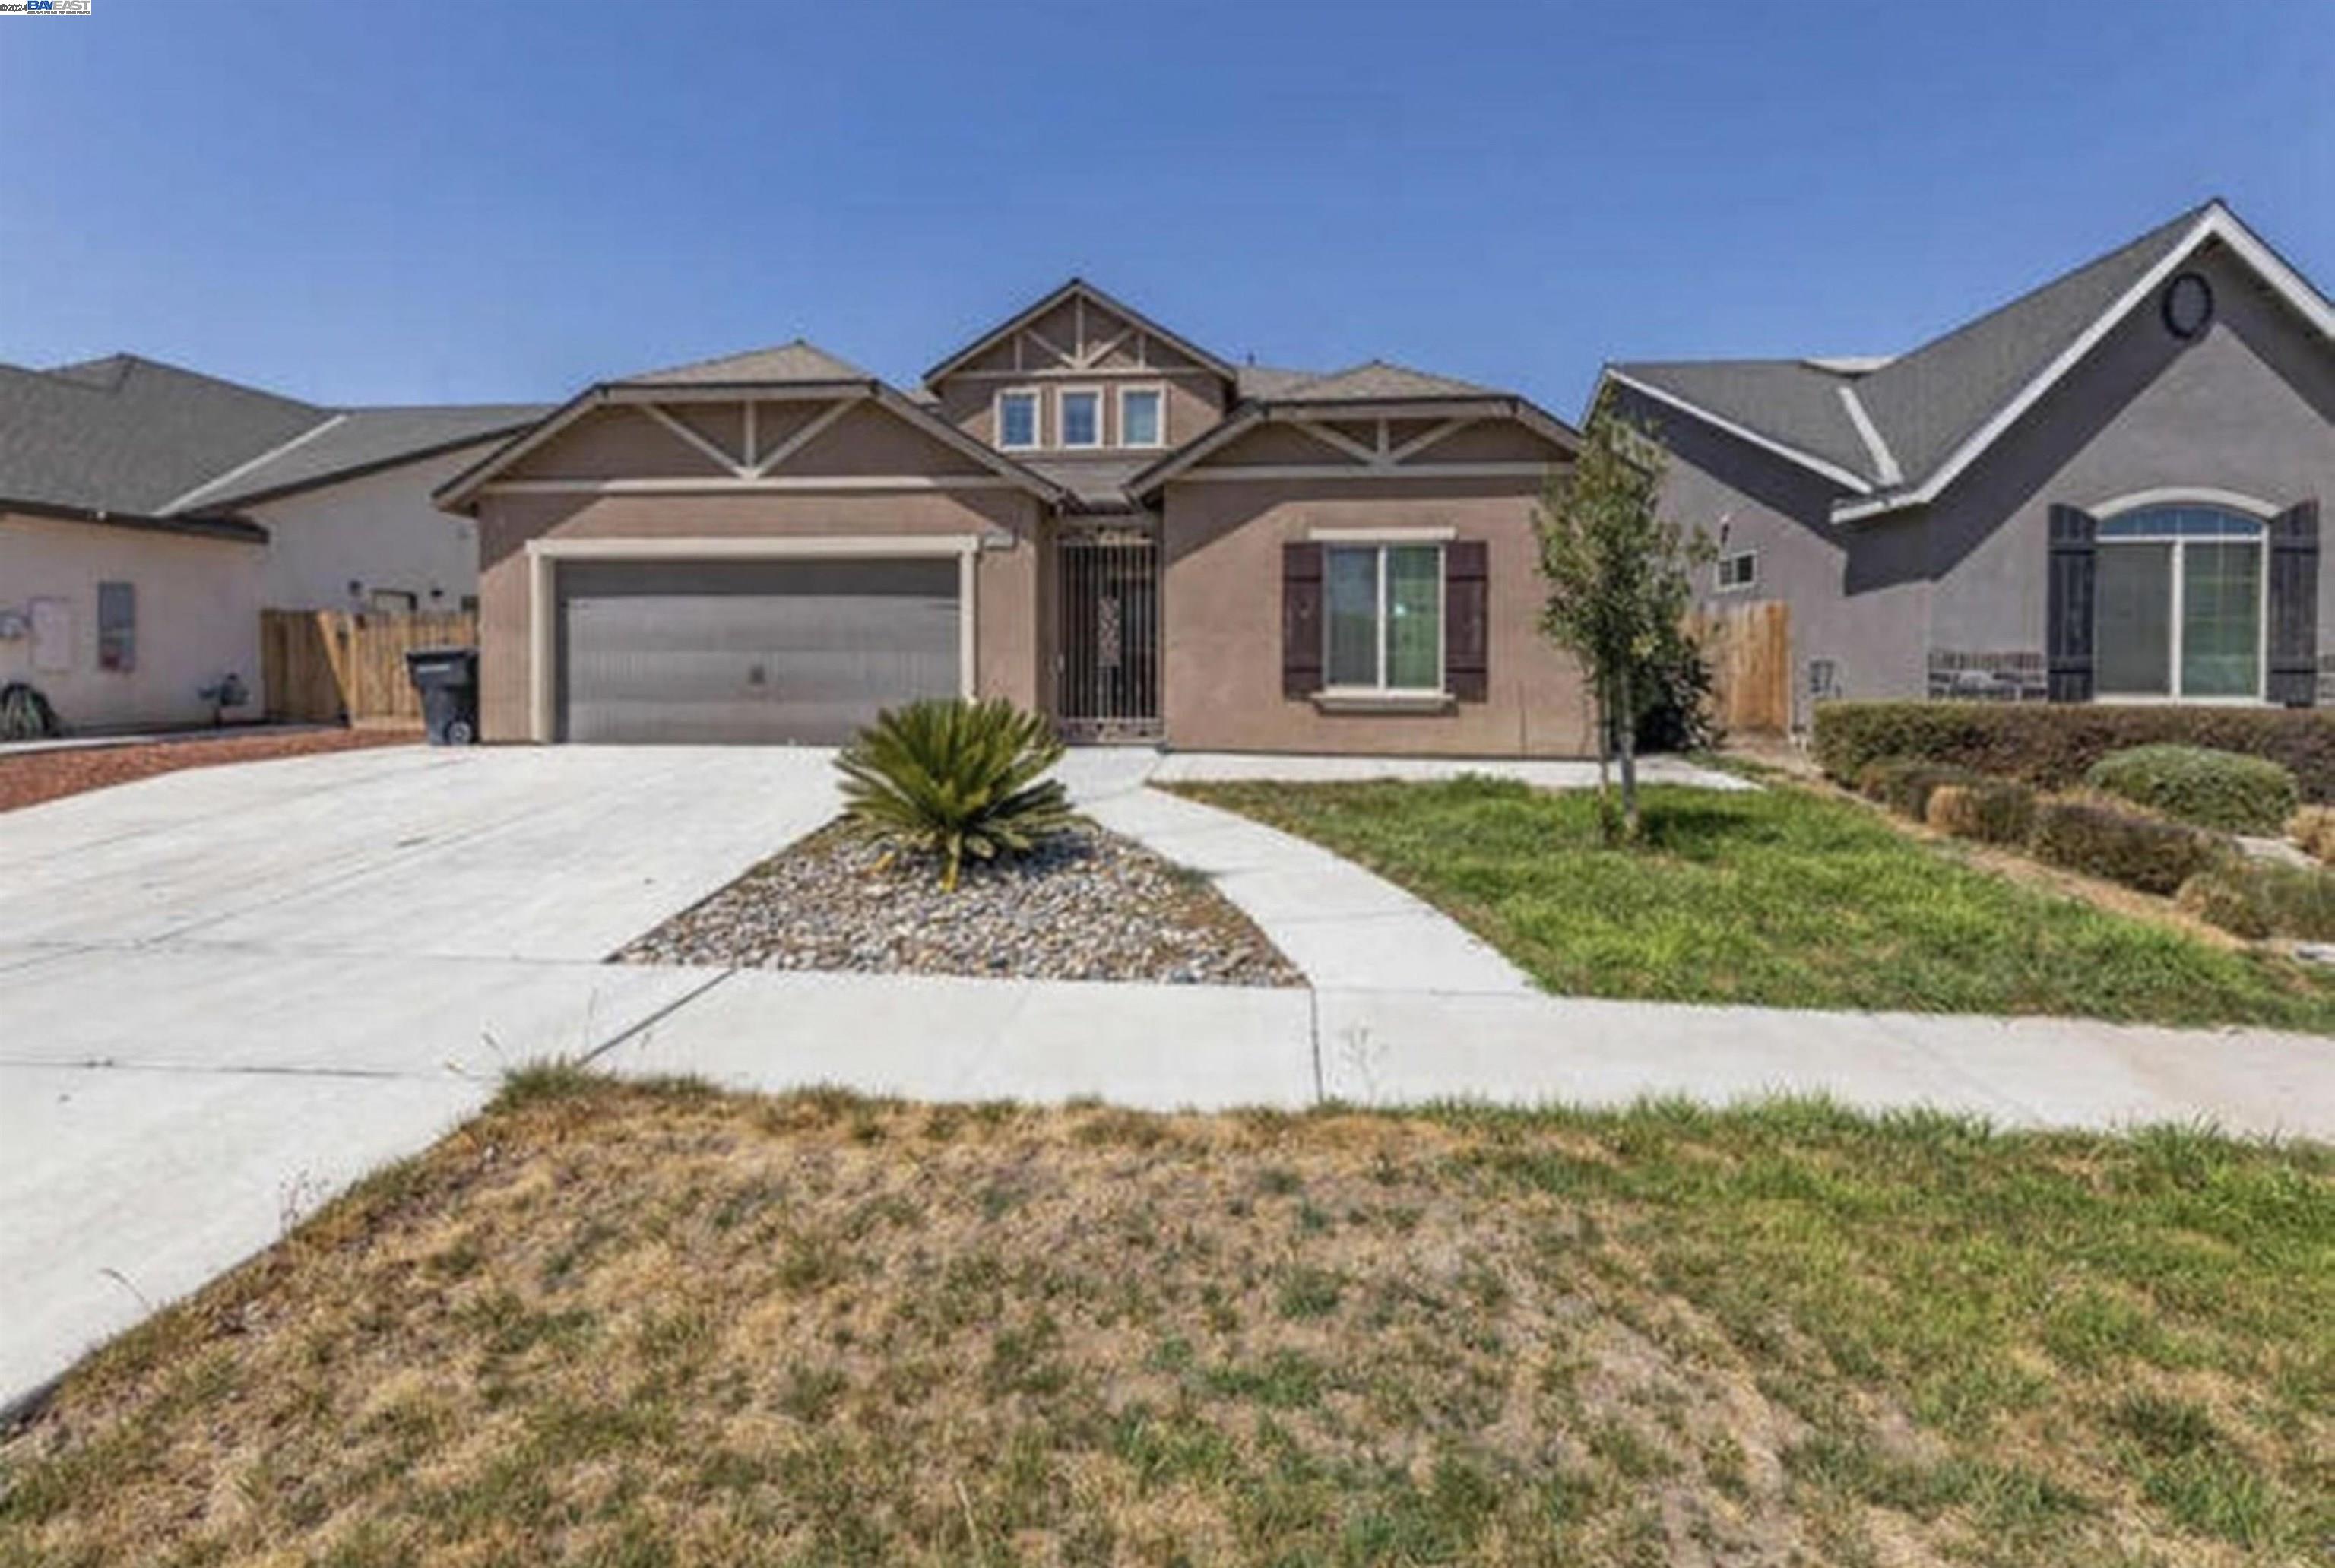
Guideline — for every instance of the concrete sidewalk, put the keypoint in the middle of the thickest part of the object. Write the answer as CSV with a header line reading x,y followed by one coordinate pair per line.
x,y
1170,1047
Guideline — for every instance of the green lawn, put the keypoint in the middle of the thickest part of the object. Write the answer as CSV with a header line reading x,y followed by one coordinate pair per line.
x,y
1775,897
639,1326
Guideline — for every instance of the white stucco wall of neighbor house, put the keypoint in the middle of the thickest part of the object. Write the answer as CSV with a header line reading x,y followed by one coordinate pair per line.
x,y
194,616
377,531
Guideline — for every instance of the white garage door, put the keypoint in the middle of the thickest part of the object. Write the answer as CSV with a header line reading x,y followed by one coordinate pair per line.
x,y
802,651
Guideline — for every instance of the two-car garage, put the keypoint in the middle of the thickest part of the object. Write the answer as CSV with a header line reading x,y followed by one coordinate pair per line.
x,y
798,648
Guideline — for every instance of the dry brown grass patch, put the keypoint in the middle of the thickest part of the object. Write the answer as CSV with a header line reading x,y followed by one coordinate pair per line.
x,y
610,1324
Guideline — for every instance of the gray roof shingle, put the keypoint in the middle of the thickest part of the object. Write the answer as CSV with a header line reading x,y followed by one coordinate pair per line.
x,y
135,437
1786,400
1376,380
1927,402
125,434
359,440
799,361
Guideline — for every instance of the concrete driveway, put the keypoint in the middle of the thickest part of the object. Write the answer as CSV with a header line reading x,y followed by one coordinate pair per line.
x,y
227,992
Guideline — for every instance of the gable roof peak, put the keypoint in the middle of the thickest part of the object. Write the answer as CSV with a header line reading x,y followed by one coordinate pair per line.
x,y
795,360
1078,285
1931,411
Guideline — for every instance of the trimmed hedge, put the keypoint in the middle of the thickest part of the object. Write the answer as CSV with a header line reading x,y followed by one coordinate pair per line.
x,y
2050,745
2313,828
2258,898
1992,810
2223,789
2137,851
1904,784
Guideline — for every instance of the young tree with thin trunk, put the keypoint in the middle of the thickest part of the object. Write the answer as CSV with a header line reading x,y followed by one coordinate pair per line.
x,y
1619,583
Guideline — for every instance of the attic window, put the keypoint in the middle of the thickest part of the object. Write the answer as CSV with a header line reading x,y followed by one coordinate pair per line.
x,y
1080,411
1139,417
1017,420
1738,570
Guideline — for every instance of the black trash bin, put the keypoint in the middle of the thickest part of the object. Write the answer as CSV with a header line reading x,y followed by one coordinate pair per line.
x,y
448,680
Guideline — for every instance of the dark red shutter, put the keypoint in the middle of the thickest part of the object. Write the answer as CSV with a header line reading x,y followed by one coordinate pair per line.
x,y
2293,674
2068,613
1301,620
1466,615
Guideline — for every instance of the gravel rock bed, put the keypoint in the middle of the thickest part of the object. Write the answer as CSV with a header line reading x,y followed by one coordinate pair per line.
x,y
1090,905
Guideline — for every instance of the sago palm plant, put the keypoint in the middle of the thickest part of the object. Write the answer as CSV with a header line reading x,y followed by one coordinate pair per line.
x,y
956,780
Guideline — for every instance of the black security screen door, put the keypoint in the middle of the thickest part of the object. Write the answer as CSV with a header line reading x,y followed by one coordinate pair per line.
x,y
1106,664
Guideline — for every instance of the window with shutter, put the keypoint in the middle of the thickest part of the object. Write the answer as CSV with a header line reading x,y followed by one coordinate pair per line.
x,y
2293,594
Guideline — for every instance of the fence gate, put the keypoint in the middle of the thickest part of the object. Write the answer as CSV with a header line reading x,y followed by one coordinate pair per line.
x,y
1107,656
1750,650
332,666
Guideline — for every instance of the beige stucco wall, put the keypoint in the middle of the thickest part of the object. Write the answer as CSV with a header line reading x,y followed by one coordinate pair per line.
x,y
1221,619
197,618
379,530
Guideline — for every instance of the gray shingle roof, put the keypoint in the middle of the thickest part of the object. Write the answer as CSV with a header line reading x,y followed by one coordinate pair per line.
x,y
1927,402
799,361
359,440
1096,483
1267,381
1784,400
125,434
133,436
1376,380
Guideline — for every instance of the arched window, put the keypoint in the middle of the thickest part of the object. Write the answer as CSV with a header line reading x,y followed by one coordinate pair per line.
x,y
2178,600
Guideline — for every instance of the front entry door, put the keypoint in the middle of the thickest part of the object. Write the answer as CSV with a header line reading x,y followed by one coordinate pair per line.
x,y
1107,653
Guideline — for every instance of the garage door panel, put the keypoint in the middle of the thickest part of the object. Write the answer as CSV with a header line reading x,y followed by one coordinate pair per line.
x,y
796,651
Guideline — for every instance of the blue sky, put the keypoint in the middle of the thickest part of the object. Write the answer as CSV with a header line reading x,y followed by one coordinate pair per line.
x,y
499,200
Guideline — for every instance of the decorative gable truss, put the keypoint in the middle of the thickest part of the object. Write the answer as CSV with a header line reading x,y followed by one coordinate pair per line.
x,y
1446,438
1076,331
618,439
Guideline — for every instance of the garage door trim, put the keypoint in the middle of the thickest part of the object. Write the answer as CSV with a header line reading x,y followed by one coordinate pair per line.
x,y
544,557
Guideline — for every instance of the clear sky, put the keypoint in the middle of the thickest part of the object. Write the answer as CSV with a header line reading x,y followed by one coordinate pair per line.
x,y
357,201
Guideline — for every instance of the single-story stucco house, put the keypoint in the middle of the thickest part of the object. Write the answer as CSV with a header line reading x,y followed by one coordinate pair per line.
x,y
1079,509
148,514
2107,490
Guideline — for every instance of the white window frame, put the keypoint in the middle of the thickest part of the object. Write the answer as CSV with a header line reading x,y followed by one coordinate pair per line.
x,y
1037,397
2222,502
1719,584
1377,549
1157,390
1062,441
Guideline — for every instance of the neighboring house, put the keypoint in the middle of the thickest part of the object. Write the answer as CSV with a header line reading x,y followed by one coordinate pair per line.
x,y
2108,490
148,514
1080,510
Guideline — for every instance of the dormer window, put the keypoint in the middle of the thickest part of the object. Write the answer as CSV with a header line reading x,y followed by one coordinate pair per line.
x,y
1140,422
1017,420
1080,412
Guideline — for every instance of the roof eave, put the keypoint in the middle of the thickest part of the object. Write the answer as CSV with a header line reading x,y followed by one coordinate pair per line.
x,y
229,529
1743,432
2217,222
1255,412
373,465
463,488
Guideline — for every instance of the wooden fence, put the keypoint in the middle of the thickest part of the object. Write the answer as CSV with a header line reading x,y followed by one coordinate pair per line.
x,y
1750,647
325,667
